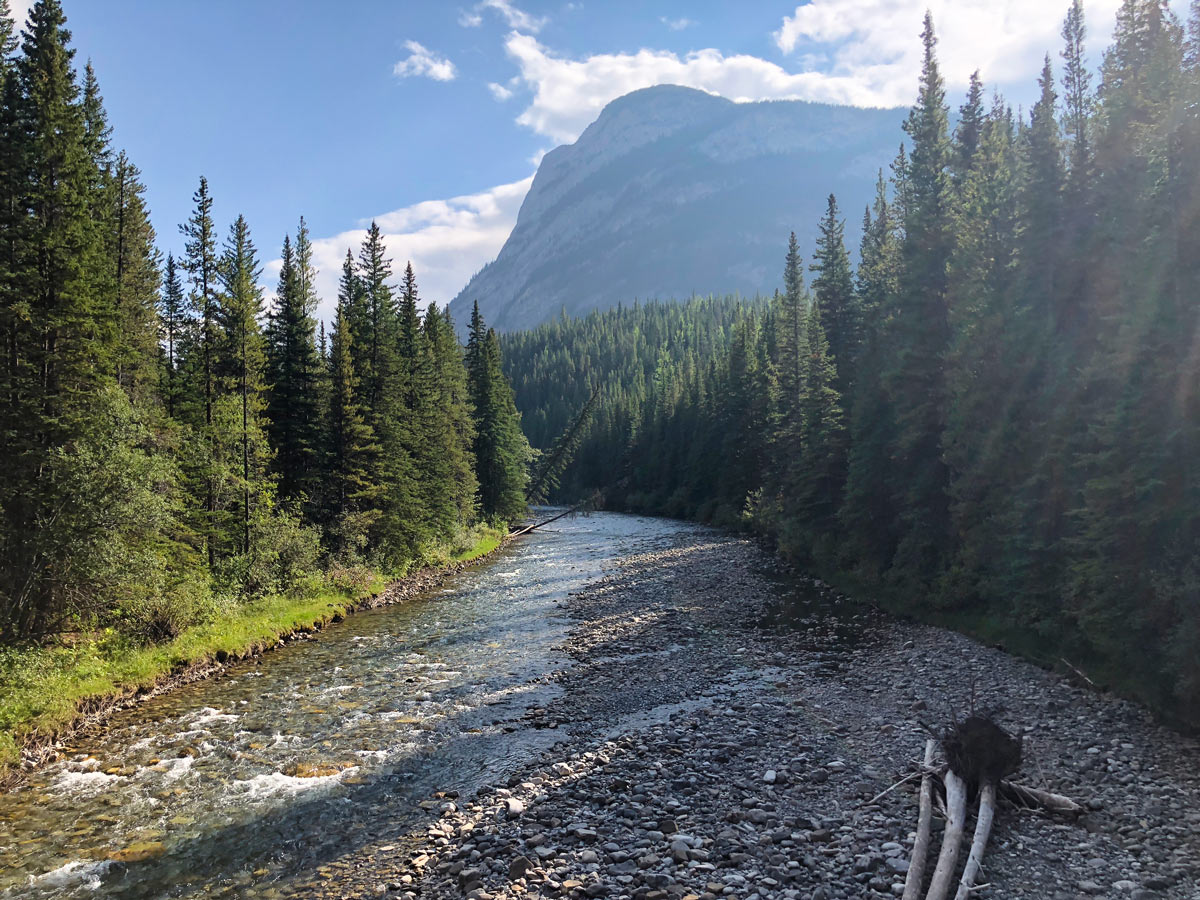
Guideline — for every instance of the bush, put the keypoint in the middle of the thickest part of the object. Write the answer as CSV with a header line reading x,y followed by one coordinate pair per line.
x,y
283,555
163,614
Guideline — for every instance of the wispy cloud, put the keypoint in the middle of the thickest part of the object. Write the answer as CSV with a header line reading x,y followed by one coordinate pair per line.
x,y
499,91
513,17
677,24
423,62
447,241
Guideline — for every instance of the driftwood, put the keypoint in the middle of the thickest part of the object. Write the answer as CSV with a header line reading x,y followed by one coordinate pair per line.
x,y
916,863
983,830
1033,798
956,820
979,755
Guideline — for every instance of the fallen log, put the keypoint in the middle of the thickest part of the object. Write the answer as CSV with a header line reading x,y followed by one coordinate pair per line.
x,y
537,525
983,830
956,816
1034,798
916,863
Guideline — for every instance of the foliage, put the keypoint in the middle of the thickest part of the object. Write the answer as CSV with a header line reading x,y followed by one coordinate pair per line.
x,y
1009,443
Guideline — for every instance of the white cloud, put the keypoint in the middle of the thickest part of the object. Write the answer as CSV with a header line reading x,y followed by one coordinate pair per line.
x,y
677,24
424,62
876,42
499,91
855,52
569,93
513,17
447,241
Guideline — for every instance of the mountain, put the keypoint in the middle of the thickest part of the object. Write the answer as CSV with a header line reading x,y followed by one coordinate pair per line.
x,y
672,191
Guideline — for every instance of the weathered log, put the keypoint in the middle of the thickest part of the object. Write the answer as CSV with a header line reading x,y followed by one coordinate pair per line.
x,y
536,526
920,851
956,815
1034,798
983,829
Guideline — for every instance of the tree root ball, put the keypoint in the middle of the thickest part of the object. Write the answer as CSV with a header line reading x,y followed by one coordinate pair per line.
x,y
978,750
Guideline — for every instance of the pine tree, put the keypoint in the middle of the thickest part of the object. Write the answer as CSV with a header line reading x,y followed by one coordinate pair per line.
x,y
968,132
242,363
200,262
501,451
134,263
914,380
453,479
821,467
1077,101
202,265
294,367
834,296
870,508
175,321
352,494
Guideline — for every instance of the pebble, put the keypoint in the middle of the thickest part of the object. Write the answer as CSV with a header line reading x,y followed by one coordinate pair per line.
x,y
702,754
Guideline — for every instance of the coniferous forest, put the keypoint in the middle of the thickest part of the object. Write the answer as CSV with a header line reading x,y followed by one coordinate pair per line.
x,y
991,418
178,443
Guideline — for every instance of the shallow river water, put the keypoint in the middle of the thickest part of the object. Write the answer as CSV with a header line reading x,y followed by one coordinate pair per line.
x,y
250,784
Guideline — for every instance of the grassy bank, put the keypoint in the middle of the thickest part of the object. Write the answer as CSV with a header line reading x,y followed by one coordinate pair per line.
x,y
44,690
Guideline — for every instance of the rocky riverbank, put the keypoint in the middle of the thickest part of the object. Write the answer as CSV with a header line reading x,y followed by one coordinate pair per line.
x,y
719,741
39,743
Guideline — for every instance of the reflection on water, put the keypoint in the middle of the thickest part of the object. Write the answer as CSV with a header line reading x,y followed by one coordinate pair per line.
x,y
248,785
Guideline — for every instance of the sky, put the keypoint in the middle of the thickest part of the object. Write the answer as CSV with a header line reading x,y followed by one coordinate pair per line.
x,y
430,117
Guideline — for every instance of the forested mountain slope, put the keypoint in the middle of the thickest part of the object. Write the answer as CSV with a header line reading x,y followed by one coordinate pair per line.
x,y
672,191
994,421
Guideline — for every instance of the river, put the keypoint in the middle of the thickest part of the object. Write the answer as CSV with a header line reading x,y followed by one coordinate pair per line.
x,y
249,784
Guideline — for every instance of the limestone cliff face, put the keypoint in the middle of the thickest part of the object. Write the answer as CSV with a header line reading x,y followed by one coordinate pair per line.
x,y
671,192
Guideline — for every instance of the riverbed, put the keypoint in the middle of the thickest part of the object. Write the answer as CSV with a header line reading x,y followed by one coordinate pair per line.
x,y
614,707
247,784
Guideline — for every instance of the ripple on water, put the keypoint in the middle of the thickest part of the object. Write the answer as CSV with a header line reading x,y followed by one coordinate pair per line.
x,y
276,784
86,873
84,783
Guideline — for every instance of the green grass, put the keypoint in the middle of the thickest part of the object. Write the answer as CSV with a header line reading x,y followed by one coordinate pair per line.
x,y
489,540
41,688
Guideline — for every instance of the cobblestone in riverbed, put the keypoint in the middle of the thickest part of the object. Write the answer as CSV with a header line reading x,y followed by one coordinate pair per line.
x,y
705,756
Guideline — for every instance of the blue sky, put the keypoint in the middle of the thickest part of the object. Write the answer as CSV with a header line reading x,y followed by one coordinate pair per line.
x,y
431,115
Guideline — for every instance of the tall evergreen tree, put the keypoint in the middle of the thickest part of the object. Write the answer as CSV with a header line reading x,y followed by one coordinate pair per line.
x,y
175,321
351,491
293,367
915,378
834,296
501,451
242,364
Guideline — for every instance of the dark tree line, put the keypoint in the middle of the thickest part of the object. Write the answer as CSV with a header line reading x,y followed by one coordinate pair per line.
x,y
994,421
175,442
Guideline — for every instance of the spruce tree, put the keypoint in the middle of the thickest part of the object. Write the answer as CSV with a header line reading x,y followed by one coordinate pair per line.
x,y
134,263
293,366
500,449
351,491
201,263
454,486
242,364
870,508
834,296
915,380
175,321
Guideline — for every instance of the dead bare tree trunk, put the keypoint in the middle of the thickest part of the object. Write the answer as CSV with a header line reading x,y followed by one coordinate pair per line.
x,y
956,814
983,829
920,851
